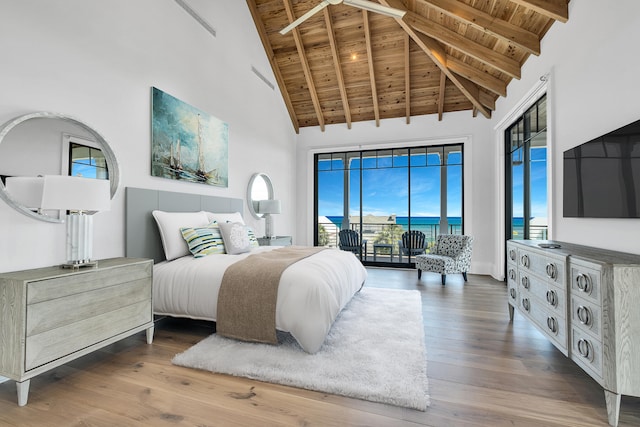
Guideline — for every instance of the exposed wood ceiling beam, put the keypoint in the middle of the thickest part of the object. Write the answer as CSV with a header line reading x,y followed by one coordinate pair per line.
x,y
437,54
407,77
499,28
305,65
555,9
338,67
487,100
461,43
485,80
443,85
274,65
372,75
465,54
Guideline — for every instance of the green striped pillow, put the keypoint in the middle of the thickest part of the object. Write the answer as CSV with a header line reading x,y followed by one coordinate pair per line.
x,y
203,241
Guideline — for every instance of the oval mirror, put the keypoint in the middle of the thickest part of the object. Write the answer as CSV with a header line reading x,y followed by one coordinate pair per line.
x,y
45,143
260,188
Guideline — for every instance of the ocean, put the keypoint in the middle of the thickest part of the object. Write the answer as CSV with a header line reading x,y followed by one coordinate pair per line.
x,y
426,224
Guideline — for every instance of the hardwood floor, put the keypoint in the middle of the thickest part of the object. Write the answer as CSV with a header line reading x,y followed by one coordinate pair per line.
x,y
483,371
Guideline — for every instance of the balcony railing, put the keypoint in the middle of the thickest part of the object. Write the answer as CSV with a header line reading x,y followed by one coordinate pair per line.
x,y
375,249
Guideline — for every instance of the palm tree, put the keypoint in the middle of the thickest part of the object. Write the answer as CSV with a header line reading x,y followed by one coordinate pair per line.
x,y
323,236
390,234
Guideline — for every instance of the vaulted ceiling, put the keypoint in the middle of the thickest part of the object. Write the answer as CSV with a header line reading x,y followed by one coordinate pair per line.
x,y
344,64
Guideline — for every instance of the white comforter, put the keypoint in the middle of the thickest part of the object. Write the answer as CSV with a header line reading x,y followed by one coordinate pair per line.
x,y
311,293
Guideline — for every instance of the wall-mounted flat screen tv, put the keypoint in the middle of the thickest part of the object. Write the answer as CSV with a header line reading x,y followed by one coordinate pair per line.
x,y
602,176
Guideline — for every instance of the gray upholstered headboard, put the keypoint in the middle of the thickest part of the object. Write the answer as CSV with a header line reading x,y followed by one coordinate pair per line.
x,y
142,238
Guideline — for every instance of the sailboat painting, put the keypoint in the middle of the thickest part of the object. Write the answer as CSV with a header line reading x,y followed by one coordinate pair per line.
x,y
187,144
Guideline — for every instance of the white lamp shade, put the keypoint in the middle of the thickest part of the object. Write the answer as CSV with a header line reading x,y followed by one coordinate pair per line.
x,y
76,193
269,207
26,190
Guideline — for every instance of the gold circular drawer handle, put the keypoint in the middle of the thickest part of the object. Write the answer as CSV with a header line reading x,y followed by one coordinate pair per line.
x,y
584,315
585,349
583,282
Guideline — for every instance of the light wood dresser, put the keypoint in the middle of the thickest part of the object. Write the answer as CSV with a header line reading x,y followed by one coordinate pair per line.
x,y
585,300
50,316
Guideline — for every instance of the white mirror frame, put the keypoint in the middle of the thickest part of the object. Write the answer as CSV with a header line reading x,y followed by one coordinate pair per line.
x,y
251,203
112,164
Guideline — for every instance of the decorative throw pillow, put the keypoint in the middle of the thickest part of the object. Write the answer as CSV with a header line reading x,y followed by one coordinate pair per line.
x,y
204,241
225,217
236,237
169,224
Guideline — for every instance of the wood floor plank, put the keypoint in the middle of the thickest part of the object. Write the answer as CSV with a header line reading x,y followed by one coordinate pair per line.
x,y
482,369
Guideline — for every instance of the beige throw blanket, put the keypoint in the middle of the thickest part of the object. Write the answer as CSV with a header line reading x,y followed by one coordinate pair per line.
x,y
248,294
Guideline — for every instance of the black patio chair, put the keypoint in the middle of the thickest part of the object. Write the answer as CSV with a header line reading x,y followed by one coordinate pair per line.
x,y
350,241
412,243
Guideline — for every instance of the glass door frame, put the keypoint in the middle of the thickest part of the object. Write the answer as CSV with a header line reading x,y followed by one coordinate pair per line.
x,y
445,149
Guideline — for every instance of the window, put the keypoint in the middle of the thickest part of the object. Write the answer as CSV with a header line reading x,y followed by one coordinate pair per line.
x,y
87,161
383,193
526,174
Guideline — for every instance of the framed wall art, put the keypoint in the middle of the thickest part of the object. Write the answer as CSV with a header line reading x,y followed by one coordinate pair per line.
x,y
187,144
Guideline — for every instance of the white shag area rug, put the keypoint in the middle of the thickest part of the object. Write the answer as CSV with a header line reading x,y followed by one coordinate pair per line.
x,y
375,351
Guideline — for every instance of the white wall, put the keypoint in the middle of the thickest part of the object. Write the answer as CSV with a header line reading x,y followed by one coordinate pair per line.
x,y
593,71
98,60
479,197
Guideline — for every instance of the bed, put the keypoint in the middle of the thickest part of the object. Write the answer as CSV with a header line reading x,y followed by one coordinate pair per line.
x,y
311,292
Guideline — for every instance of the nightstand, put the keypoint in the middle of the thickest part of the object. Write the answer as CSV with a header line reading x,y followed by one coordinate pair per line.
x,y
50,316
277,241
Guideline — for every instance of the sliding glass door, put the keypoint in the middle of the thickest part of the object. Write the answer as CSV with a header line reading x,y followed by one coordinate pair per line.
x,y
526,175
382,194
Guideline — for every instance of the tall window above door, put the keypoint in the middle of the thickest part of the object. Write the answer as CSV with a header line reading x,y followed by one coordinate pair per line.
x,y
526,174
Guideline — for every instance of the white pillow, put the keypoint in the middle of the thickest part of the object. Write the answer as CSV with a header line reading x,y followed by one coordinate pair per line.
x,y
235,236
225,217
169,224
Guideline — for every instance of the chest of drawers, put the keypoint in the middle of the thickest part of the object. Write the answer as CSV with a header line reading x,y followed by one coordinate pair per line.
x,y
50,316
585,301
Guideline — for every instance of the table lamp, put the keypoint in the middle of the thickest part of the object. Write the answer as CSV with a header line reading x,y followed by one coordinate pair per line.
x,y
268,208
81,197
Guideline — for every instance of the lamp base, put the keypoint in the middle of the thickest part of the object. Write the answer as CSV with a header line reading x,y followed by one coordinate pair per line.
x,y
77,265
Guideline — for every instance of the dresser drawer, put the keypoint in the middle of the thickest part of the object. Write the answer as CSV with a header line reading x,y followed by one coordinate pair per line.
x,y
549,323
512,292
587,352
553,297
512,254
585,281
55,343
542,265
60,312
73,282
586,316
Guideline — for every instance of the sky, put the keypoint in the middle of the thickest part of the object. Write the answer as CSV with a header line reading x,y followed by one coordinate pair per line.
x,y
386,191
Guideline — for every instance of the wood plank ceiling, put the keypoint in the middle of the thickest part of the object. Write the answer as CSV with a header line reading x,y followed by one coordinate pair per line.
x,y
345,65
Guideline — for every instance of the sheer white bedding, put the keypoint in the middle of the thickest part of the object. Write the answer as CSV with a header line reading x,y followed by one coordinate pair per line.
x,y
311,292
